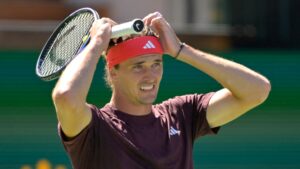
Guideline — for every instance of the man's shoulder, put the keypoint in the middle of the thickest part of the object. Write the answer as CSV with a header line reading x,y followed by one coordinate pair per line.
x,y
173,103
184,100
101,112
178,99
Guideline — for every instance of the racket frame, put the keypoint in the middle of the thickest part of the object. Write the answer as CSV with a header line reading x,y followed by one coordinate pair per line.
x,y
49,44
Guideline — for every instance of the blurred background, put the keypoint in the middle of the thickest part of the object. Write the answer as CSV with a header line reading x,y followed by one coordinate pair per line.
x,y
261,34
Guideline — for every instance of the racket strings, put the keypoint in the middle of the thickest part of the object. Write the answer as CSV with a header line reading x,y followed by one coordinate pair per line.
x,y
67,43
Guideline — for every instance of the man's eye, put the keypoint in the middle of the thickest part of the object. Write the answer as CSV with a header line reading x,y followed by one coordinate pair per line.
x,y
137,67
156,65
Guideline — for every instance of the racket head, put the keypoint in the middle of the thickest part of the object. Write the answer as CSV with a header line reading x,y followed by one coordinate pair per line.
x,y
68,38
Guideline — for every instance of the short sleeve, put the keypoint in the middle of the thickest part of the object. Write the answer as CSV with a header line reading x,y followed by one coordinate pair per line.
x,y
192,110
77,146
200,126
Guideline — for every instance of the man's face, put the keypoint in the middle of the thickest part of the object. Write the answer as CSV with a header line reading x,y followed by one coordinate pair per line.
x,y
137,79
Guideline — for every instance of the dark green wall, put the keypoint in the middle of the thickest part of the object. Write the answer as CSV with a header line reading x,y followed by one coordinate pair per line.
x,y
265,138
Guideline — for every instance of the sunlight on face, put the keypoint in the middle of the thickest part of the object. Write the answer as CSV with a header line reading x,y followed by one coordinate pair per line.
x,y
137,80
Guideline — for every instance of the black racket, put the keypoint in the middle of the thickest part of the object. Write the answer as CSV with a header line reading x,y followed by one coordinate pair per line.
x,y
70,37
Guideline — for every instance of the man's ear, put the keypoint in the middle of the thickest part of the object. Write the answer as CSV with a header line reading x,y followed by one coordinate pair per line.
x,y
113,73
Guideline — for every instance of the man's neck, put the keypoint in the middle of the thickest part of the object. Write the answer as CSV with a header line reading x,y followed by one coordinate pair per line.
x,y
128,107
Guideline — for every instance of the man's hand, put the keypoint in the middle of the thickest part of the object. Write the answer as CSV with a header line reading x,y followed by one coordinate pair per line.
x,y
167,36
100,34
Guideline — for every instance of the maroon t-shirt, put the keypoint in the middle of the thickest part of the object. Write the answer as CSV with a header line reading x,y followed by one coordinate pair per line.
x,y
162,139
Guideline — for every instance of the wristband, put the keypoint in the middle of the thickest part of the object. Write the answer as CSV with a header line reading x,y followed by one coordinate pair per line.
x,y
180,49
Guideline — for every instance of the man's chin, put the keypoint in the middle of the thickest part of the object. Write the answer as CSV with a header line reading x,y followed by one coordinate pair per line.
x,y
147,101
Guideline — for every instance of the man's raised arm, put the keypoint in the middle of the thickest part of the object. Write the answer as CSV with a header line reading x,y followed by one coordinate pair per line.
x,y
71,90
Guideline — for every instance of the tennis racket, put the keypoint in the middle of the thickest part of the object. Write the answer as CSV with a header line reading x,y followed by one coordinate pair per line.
x,y
70,37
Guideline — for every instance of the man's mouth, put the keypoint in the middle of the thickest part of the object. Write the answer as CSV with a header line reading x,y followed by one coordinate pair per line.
x,y
147,87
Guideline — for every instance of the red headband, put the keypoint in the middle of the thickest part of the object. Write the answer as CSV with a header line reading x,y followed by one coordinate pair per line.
x,y
132,48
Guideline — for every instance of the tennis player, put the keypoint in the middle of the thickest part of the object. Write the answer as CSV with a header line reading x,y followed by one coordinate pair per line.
x,y
130,132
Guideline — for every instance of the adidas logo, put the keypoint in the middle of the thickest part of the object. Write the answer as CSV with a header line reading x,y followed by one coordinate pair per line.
x,y
149,45
173,131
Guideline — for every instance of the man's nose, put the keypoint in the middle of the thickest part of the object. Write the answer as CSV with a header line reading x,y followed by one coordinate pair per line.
x,y
150,75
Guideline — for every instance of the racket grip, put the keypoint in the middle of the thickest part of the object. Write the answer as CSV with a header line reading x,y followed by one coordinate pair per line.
x,y
135,26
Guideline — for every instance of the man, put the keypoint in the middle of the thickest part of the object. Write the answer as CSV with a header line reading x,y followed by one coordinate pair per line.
x,y
131,133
